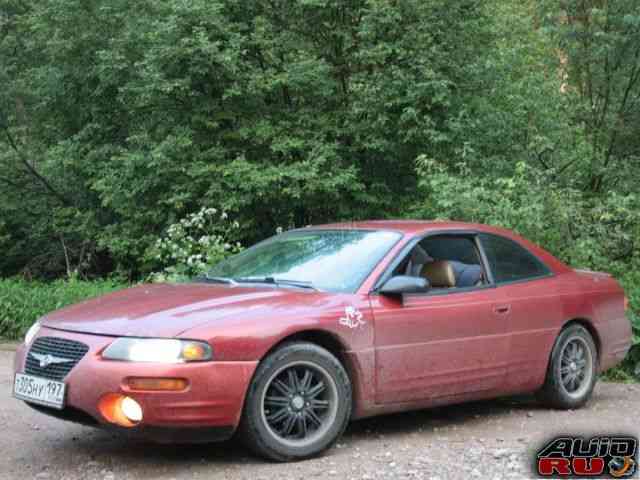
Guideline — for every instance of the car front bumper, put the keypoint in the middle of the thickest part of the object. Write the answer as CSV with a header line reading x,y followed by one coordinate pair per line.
x,y
211,403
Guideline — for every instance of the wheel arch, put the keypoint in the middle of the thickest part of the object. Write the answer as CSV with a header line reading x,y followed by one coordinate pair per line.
x,y
323,338
551,393
589,326
327,340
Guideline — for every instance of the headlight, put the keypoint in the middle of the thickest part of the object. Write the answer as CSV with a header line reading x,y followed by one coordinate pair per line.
x,y
33,330
159,350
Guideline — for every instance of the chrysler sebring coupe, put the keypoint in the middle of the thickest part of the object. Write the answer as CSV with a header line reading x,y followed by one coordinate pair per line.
x,y
287,341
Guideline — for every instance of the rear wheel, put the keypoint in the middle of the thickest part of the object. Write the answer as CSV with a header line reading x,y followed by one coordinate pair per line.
x,y
298,403
572,371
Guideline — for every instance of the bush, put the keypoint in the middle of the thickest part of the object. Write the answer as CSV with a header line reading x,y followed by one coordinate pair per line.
x,y
630,369
23,302
193,245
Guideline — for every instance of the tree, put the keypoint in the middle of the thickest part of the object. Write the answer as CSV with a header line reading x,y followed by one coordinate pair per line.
x,y
598,44
282,113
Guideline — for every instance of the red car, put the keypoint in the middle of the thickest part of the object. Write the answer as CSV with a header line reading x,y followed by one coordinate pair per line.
x,y
290,339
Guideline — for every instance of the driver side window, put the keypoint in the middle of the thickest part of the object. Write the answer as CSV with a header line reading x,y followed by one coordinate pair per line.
x,y
447,261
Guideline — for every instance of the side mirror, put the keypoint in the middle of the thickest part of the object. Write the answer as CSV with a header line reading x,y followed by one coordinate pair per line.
x,y
401,284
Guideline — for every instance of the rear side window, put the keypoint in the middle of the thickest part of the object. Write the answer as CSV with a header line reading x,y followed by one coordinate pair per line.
x,y
509,261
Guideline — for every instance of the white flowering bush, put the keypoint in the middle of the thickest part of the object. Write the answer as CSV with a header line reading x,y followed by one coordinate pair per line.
x,y
194,244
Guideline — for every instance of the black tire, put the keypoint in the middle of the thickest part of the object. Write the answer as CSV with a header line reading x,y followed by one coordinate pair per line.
x,y
558,390
317,425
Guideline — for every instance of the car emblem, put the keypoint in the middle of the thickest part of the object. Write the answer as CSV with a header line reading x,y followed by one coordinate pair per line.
x,y
46,360
352,318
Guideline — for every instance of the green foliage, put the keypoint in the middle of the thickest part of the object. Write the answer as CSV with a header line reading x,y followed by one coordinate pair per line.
x,y
23,302
135,114
516,110
599,60
630,279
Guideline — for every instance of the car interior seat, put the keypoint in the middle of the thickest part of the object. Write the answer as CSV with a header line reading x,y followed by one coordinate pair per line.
x,y
440,274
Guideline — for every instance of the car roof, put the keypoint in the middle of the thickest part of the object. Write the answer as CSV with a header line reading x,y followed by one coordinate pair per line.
x,y
411,227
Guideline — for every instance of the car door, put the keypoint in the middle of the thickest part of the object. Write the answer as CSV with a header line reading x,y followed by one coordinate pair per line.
x,y
440,344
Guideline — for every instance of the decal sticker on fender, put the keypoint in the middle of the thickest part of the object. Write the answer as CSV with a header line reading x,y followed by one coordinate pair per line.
x,y
352,318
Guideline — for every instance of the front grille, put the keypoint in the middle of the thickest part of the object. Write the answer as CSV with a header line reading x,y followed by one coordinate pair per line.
x,y
59,349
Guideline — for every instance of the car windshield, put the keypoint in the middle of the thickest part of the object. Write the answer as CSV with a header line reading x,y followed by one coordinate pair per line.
x,y
331,260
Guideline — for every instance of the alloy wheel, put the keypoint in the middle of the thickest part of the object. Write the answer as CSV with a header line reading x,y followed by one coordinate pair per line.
x,y
299,403
576,366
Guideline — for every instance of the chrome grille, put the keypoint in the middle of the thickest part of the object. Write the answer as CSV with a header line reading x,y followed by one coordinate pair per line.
x,y
59,348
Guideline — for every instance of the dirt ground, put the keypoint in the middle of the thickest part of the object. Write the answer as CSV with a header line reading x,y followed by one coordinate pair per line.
x,y
494,440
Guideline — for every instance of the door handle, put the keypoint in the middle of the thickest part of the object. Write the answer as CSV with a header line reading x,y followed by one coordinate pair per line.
x,y
502,309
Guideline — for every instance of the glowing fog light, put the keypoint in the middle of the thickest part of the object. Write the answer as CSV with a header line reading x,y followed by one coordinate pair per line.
x,y
131,409
121,410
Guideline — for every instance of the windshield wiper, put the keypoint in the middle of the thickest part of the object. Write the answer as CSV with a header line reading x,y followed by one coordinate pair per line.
x,y
296,283
227,280
278,281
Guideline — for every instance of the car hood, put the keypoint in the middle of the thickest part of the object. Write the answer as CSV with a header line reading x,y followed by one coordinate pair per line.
x,y
167,310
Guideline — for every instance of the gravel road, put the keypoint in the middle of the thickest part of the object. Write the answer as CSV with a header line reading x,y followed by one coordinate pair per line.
x,y
495,439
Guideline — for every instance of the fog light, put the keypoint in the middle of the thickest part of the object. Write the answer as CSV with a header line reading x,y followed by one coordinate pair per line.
x,y
131,409
121,410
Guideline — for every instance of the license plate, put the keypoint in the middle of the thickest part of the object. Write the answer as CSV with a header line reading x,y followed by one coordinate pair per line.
x,y
39,390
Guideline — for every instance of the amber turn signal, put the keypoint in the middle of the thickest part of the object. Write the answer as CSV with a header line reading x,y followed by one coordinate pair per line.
x,y
121,410
194,351
157,384
626,304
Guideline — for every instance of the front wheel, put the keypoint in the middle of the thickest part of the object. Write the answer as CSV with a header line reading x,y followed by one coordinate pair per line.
x,y
298,403
572,371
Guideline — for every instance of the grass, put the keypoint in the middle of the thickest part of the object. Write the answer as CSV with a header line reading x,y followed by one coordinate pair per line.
x,y
23,302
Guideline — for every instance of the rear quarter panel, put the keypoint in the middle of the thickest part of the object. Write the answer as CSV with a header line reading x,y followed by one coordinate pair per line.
x,y
541,308
594,298
609,319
